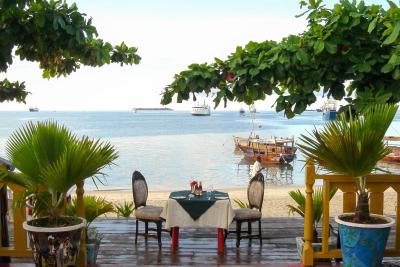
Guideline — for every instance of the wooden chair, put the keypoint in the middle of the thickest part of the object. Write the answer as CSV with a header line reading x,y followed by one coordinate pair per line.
x,y
255,196
145,213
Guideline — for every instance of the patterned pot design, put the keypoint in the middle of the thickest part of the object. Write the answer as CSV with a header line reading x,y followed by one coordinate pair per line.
x,y
55,246
363,245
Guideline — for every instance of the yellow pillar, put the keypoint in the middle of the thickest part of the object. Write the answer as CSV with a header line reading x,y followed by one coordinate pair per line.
x,y
308,253
80,208
377,197
20,242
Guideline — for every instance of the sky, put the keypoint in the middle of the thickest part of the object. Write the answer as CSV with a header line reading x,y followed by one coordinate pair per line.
x,y
169,35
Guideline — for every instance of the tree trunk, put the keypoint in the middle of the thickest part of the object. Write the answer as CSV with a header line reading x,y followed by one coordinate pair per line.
x,y
315,236
362,209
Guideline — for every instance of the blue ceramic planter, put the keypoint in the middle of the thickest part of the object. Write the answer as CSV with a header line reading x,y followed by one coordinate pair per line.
x,y
363,245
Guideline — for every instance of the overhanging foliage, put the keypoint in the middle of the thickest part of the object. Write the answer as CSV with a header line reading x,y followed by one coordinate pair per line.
x,y
351,51
57,36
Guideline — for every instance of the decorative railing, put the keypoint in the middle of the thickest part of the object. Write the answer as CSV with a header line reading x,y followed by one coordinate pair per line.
x,y
20,246
377,184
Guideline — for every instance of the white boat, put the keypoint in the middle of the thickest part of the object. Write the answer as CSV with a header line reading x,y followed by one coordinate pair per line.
x,y
252,109
201,110
329,110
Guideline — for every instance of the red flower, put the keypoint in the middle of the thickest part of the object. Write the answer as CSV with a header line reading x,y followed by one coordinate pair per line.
x,y
193,183
229,76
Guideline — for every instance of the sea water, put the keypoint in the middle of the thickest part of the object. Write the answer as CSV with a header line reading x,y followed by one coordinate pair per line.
x,y
170,148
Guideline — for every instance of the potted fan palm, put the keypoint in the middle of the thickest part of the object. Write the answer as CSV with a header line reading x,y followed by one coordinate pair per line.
x,y
94,207
300,208
353,146
51,160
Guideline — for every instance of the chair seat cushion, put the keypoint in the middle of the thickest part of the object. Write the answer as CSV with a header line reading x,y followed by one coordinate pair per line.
x,y
149,213
247,214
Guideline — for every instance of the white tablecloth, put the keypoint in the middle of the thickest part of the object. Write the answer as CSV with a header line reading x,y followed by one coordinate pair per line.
x,y
219,215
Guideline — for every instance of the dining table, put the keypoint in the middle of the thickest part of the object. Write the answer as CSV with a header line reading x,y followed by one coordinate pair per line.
x,y
208,210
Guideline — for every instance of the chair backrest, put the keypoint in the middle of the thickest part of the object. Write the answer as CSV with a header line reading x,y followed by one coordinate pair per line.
x,y
255,191
139,189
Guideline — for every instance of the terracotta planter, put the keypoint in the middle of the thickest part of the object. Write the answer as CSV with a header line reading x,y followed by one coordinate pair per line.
x,y
55,246
363,244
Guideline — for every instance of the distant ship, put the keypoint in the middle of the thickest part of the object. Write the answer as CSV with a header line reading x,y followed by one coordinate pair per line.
x,y
33,109
329,110
151,109
201,110
241,111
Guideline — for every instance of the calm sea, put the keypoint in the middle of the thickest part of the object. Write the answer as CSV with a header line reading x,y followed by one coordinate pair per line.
x,y
170,148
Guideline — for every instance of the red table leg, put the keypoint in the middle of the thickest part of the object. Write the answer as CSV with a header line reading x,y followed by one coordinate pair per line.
x,y
175,238
221,241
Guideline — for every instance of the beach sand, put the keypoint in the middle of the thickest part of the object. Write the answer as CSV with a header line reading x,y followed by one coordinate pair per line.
x,y
276,199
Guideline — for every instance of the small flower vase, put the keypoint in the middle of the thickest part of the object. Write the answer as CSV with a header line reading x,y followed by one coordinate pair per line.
x,y
192,190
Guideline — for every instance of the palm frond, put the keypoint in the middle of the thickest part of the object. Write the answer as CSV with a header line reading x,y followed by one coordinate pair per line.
x,y
51,158
351,147
81,160
300,200
94,207
125,209
298,210
241,204
14,178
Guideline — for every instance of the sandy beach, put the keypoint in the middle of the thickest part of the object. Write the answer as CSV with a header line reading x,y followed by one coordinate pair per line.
x,y
276,199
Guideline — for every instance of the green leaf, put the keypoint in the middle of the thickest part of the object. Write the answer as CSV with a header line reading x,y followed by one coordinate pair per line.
x,y
61,22
396,74
372,25
337,91
253,72
40,21
70,29
302,56
387,68
319,46
331,48
393,36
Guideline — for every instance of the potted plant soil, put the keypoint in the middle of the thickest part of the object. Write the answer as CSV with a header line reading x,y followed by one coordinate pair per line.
x,y
94,207
353,146
300,200
51,160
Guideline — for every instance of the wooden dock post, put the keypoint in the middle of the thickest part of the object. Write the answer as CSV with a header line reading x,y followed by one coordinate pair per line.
x,y
308,252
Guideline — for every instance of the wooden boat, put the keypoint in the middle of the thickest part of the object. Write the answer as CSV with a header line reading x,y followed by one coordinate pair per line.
x,y
274,150
394,156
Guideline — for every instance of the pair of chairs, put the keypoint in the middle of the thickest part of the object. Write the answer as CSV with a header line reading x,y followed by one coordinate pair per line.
x,y
151,214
